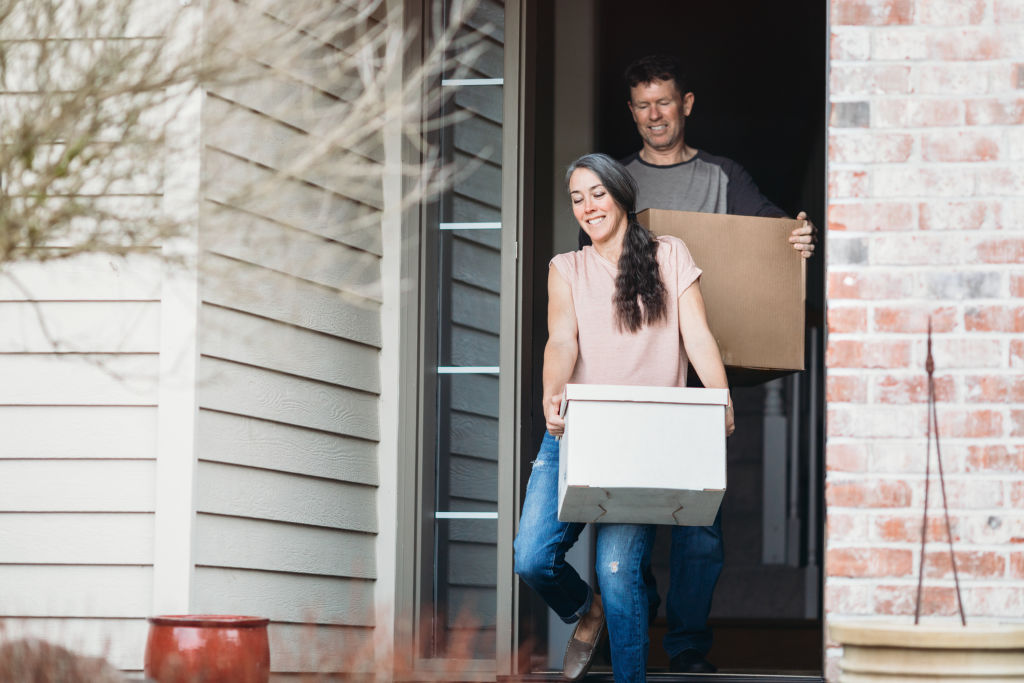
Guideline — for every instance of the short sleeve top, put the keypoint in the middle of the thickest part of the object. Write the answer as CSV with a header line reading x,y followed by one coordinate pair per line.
x,y
651,356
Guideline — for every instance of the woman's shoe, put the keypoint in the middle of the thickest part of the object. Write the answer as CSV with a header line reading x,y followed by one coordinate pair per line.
x,y
579,654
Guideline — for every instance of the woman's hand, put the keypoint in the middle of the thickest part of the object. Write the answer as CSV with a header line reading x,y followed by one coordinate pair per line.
x,y
730,419
554,421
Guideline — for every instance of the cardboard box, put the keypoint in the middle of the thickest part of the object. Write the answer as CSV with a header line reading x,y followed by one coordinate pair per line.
x,y
753,286
643,455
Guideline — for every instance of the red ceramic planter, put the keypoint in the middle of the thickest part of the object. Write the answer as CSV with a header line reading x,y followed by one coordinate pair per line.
x,y
207,648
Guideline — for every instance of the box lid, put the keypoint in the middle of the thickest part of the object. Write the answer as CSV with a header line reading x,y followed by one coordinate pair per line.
x,y
642,394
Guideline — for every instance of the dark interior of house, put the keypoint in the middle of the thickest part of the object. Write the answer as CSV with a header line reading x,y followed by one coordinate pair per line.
x,y
759,74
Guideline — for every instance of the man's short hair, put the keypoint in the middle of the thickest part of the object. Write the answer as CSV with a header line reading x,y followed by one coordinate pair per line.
x,y
655,68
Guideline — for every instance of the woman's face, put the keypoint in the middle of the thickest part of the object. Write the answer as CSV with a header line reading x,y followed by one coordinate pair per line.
x,y
595,210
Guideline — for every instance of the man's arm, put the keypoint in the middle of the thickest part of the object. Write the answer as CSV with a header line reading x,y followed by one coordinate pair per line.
x,y
701,346
561,350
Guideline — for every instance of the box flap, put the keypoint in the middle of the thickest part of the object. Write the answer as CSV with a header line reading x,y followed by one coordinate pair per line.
x,y
753,283
614,392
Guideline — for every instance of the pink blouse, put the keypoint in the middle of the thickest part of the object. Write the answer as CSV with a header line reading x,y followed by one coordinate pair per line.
x,y
651,356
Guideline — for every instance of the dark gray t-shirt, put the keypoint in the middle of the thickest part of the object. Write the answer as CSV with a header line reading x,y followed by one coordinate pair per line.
x,y
706,183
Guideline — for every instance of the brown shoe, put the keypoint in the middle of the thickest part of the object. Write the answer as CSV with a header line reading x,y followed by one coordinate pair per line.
x,y
579,653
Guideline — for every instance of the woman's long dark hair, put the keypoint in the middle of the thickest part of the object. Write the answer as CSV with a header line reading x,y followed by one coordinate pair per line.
x,y
639,292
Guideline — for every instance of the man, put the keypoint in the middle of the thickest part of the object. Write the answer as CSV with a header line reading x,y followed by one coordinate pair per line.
x,y
672,175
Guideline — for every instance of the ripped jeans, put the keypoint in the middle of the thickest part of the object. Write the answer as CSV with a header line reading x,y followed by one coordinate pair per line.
x,y
623,550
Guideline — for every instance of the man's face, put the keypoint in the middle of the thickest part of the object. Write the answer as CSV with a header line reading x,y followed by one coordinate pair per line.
x,y
660,112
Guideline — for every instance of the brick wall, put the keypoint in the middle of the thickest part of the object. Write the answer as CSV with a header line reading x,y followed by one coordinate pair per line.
x,y
926,216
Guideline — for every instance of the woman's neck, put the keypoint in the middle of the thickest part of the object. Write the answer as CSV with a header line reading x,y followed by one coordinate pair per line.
x,y
611,248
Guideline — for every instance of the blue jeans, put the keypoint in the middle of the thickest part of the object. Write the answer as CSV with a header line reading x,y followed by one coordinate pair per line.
x,y
696,563
623,550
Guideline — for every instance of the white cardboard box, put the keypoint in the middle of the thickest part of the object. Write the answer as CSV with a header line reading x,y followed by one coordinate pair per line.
x,y
642,455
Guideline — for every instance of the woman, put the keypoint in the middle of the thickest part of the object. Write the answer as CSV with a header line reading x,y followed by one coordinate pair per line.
x,y
626,310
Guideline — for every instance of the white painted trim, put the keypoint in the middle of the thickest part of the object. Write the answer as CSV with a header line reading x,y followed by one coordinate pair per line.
x,y
459,82
465,515
471,226
386,560
173,564
467,370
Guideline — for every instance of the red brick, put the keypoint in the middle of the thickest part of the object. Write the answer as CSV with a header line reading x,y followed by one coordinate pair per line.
x,y
999,458
847,319
916,112
971,564
847,184
960,215
866,562
950,12
995,111
1000,181
901,600
959,146
913,389
994,319
966,44
899,44
875,493
960,423
1009,250
951,78
1017,353
964,494
869,354
1008,11
853,146
995,388
928,181
872,79
875,285
1017,286
848,598
918,248
846,526
846,389
907,528
914,319
965,353
871,216
846,457
849,44
1017,423
872,12
1015,494
1016,565
994,601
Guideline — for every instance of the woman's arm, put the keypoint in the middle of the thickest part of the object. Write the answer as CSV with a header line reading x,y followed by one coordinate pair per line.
x,y
561,350
701,346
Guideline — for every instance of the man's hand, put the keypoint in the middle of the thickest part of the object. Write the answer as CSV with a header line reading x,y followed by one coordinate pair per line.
x,y
803,238
553,420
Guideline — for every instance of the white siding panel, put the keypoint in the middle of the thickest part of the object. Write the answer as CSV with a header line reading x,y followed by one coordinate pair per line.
x,y
66,538
250,238
252,340
97,327
268,293
275,546
94,379
77,486
284,597
248,441
83,277
292,202
246,134
78,432
75,591
328,649
246,390
121,642
263,494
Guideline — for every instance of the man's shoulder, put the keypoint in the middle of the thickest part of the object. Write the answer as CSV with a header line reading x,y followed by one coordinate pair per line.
x,y
725,163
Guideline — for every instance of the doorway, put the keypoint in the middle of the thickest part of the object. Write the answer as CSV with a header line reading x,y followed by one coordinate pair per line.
x,y
759,73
